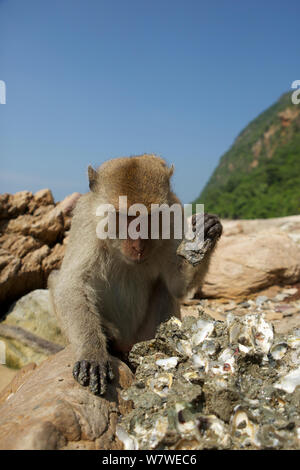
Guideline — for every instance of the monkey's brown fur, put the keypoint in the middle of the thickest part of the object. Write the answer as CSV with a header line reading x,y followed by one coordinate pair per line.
x,y
99,295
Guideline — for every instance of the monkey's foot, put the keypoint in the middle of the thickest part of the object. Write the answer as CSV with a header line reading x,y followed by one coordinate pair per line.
x,y
204,240
95,375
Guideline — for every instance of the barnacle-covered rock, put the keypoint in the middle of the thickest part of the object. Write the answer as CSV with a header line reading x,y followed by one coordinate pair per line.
x,y
206,384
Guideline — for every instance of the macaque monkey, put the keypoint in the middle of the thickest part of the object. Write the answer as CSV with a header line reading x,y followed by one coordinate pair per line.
x,y
112,293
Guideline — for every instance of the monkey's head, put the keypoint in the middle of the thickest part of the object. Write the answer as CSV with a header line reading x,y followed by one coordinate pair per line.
x,y
144,180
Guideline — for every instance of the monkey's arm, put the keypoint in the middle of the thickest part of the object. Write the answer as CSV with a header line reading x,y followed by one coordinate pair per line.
x,y
188,267
74,302
75,295
196,260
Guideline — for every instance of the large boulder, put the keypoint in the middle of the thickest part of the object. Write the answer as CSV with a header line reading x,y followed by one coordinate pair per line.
x,y
289,225
28,322
33,231
45,408
246,263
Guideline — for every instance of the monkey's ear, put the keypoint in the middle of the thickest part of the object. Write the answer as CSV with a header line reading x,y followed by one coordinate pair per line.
x,y
171,171
93,175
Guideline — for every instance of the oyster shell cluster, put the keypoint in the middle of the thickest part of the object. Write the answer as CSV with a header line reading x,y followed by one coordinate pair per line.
x,y
205,384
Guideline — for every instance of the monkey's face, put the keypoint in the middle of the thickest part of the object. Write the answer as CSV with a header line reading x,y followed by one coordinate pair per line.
x,y
138,246
135,251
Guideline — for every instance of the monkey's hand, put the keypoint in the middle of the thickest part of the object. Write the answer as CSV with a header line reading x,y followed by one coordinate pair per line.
x,y
212,227
93,374
195,250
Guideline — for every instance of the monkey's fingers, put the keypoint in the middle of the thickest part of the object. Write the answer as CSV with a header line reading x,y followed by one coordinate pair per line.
x,y
81,372
210,222
203,222
195,217
98,378
215,231
76,370
212,226
95,374
208,225
103,380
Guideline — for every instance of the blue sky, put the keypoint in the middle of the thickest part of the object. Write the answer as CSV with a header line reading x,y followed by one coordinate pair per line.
x,y
89,80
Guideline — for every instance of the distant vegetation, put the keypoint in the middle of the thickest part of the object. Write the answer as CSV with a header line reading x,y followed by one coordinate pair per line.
x,y
259,176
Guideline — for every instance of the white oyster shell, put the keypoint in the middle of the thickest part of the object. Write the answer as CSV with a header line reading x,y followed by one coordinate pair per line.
x,y
250,331
245,427
152,436
200,362
289,382
278,350
203,329
168,363
184,347
129,442
225,363
161,383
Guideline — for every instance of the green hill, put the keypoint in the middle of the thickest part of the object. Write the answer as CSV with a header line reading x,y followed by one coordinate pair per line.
x,y
259,176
